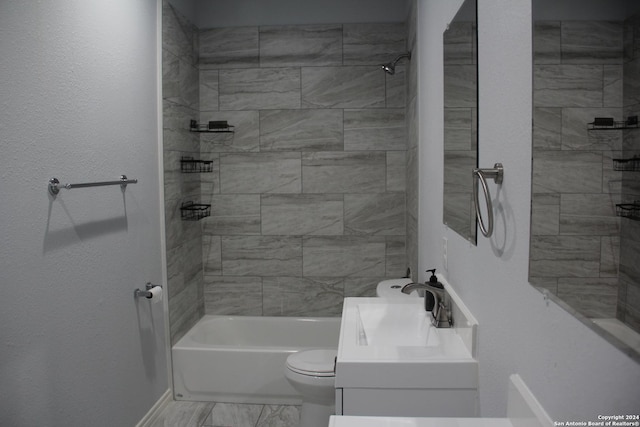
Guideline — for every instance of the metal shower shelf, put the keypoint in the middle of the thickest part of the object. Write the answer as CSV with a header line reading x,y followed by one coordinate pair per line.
x,y
219,126
191,165
190,211
608,123
629,210
627,165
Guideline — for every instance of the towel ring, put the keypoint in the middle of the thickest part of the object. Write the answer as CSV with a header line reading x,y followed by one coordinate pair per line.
x,y
497,174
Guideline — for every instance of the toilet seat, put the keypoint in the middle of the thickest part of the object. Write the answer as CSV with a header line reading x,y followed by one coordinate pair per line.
x,y
317,363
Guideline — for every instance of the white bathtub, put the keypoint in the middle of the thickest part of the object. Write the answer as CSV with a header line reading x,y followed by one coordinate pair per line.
x,y
241,359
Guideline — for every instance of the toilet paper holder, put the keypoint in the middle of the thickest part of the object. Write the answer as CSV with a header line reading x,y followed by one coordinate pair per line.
x,y
147,292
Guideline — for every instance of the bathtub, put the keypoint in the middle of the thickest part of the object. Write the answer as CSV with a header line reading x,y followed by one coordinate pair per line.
x,y
241,359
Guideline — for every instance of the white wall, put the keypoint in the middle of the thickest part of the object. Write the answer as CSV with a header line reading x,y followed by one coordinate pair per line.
x,y
78,101
575,374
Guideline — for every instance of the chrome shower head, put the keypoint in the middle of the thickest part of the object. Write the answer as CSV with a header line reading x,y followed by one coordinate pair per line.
x,y
390,67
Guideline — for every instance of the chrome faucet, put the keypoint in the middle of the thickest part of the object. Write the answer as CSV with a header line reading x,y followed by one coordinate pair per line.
x,y
441,313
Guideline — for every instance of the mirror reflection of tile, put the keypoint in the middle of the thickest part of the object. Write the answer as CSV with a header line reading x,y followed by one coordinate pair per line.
x,y
580,250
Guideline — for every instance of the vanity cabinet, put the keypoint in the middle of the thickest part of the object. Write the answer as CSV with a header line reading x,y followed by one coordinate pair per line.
x,y
407,402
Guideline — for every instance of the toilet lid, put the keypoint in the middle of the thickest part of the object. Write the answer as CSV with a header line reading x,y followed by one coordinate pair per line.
x,y
318,363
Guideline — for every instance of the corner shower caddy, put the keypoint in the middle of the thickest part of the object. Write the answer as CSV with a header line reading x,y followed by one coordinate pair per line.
x,y
191,165
190,211
219,126
627,165
608,123
629,210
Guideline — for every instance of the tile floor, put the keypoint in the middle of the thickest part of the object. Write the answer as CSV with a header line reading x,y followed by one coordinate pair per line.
x,y
210,414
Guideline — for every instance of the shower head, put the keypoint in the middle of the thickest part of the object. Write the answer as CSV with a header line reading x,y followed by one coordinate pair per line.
x,y
390,67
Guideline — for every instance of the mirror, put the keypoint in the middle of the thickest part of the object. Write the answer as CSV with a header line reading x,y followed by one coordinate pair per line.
x,y
585,225
460,120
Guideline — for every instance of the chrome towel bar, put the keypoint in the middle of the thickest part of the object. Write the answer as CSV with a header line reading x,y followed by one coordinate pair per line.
x,y
54,184
497,174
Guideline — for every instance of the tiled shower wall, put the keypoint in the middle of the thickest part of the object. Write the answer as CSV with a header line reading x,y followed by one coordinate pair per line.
x,y
578,75
181,103
412,193
629,274
309,194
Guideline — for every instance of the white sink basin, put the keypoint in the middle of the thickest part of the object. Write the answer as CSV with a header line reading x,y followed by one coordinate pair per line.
x,y
405,325
389,342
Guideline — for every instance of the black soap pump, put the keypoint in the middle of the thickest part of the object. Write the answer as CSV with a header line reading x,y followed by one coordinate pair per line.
x,y
429,300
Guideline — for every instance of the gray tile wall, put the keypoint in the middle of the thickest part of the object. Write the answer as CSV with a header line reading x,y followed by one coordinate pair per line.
x,y
578,69
629,283
410,158
180,87
309,196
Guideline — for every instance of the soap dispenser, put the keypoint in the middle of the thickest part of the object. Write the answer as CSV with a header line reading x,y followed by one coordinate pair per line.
x,y
429,300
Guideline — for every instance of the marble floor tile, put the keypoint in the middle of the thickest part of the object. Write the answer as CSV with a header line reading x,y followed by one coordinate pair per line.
x,y
184,414
234,415
279,416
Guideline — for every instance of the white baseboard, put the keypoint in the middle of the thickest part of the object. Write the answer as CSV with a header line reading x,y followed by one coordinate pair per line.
x,y
156,410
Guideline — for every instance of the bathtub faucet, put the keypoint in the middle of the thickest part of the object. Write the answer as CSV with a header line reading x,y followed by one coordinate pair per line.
x,y
441,313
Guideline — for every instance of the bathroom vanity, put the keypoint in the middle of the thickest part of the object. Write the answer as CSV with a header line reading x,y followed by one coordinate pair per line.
x,y
523,409
393,362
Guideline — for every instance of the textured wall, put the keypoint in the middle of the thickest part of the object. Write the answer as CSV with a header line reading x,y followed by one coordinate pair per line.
x,y
578,68
79,102
308,195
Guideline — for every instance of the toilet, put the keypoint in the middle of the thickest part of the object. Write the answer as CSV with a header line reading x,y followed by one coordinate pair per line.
x,y
312,374
392,288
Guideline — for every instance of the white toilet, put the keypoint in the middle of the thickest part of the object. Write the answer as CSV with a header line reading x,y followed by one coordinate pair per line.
x,y
312,374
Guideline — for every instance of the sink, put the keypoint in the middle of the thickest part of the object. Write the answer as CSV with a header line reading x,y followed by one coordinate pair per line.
x,y
405,325
391,361
395,330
